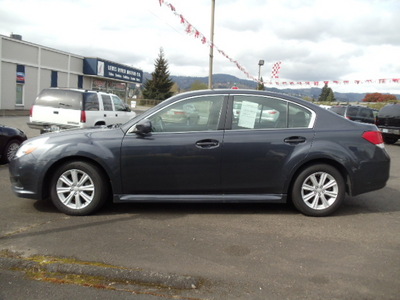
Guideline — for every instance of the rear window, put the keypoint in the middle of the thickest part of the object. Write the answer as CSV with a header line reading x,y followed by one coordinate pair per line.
x,y
60,99
366,113
338,109
352,111
391,110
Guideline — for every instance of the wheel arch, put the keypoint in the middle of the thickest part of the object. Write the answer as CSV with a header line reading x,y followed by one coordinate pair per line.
x,y
47,177
342,170
100,123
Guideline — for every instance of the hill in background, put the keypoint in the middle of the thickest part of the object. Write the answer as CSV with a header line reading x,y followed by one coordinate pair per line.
x,y
227,81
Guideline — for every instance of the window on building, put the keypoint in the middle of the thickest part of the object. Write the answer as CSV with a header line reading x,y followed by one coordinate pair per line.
x,y
80,81
20,94
20,81
54,79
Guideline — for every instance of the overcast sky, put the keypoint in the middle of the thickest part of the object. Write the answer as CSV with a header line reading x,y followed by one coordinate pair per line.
x,y
316,40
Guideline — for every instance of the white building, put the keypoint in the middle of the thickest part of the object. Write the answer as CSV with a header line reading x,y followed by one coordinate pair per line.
x,y
27,68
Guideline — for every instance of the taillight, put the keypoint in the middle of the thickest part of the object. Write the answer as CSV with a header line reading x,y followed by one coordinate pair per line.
x,y
374,137
83,116
31,111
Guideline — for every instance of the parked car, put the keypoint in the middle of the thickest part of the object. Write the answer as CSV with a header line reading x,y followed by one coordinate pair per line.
x,y
388,121
355,113
308,155
58,108
10,140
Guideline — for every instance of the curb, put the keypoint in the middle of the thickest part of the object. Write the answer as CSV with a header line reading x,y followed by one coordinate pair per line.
x,y
109,273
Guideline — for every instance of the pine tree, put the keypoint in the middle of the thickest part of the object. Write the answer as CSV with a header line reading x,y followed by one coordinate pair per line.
x,y
261,85
159,86
327,94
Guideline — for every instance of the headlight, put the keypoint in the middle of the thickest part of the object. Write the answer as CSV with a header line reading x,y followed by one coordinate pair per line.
x,y
30,146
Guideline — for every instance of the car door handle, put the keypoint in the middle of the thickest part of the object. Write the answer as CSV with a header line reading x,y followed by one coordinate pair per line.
x,y
55,112
295,140
207,144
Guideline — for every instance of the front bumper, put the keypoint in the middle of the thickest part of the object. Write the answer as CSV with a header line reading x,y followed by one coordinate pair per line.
x,y
26,181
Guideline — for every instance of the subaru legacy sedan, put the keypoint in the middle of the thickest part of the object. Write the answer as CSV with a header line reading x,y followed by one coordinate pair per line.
x,y
220,148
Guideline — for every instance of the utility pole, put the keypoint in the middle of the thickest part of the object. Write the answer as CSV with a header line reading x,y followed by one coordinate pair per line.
x,y
210,79
260,63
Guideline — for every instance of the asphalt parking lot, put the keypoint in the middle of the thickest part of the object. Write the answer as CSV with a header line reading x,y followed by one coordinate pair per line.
x,y
201,251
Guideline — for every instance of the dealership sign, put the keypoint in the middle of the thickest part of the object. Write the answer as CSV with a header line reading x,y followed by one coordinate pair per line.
x,y
104,68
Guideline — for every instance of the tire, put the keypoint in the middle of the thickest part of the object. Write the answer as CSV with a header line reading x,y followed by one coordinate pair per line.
x,y
318,190
9,151
78,188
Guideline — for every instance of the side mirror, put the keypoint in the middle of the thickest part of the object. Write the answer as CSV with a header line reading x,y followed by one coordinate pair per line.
x,y
126,107
143,127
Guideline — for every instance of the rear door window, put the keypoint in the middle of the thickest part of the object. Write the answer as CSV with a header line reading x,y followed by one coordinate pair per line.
x,y
258,112
107,104
299,117
60,99
366,113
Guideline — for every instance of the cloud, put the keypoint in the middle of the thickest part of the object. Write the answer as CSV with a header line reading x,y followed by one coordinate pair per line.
x,y
314,39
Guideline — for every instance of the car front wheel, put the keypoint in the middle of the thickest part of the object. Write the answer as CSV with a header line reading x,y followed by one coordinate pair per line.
x,y
78,188
318,190
9,151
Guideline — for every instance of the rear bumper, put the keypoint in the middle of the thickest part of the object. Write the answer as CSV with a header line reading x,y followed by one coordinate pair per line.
x,y
390,130
49,127
371,176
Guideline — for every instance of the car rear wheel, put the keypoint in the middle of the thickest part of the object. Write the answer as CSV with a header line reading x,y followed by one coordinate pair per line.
x,y
318,190
78,188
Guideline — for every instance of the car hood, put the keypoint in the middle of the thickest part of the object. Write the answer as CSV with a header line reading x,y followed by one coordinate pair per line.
x,y
64,136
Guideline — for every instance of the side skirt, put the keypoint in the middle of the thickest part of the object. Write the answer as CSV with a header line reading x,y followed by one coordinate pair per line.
x,y
231,198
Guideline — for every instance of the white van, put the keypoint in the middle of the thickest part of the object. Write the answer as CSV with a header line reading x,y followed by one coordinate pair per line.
x,y
60,108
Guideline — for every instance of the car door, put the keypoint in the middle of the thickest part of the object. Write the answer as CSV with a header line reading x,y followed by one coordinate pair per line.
x,y
267,138
108,113
182,155
122,114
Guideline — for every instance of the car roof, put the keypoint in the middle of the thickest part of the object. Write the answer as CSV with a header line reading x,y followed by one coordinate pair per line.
x,y
78,90
238,92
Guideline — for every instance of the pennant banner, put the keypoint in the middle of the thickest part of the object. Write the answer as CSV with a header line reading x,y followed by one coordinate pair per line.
x,y
275,70
191,30
335,82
